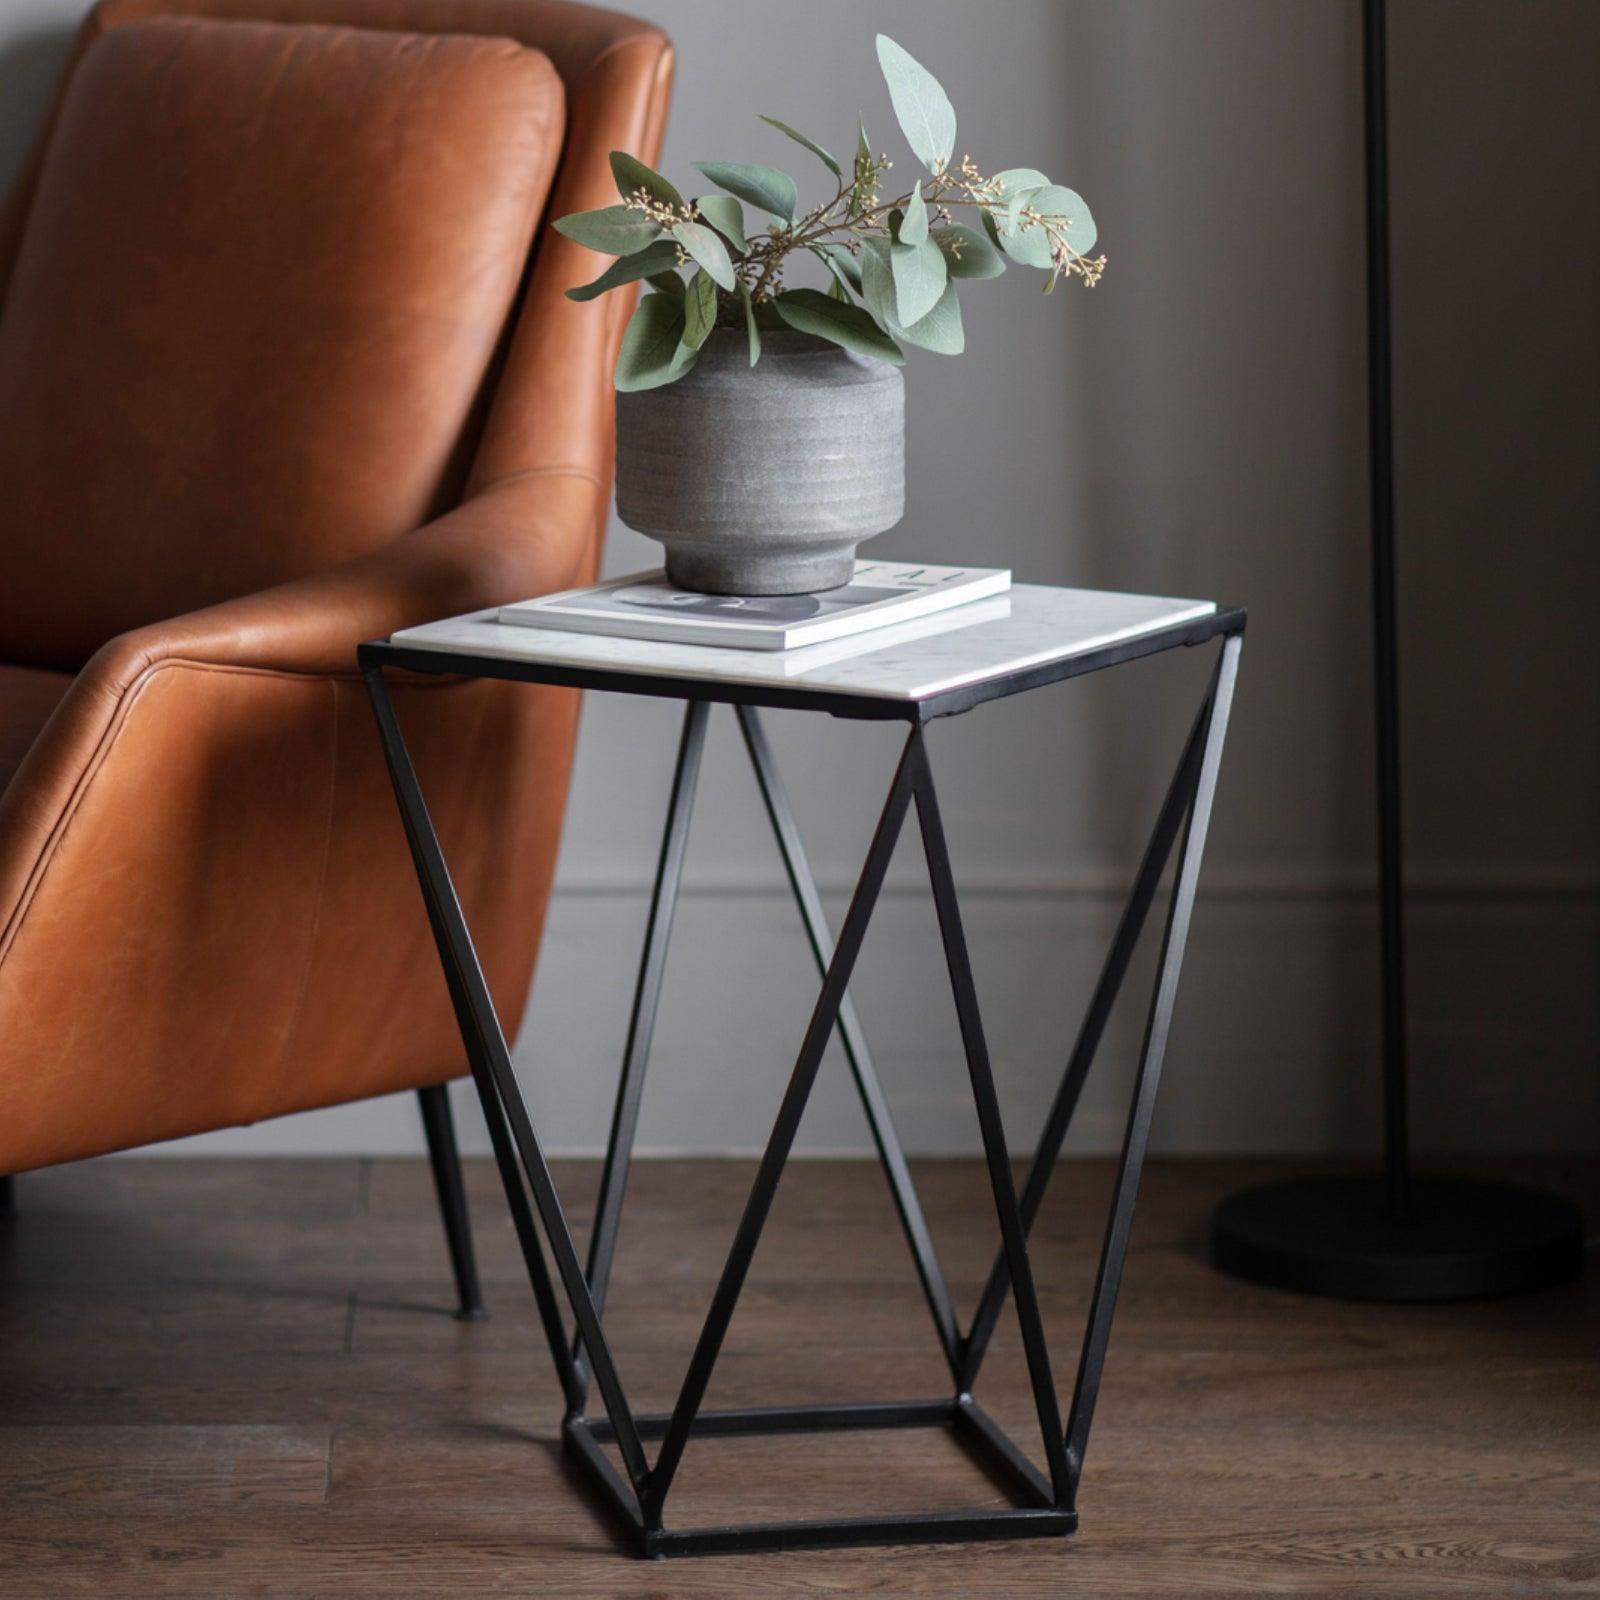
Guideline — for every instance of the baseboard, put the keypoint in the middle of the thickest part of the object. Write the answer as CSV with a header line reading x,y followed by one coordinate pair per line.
x,y
1274,1047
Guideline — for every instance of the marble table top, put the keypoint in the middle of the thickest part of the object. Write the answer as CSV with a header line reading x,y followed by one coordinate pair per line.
x,y
1030,626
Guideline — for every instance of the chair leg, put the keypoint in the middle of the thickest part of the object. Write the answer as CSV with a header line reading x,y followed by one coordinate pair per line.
x,y
441,1130
8,1197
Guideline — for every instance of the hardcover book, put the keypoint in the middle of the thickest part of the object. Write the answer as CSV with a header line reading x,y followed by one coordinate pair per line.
x,y
645,606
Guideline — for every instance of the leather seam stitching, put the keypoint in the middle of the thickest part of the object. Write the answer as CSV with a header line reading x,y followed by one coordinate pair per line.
x,y
106,743
52,843
585,473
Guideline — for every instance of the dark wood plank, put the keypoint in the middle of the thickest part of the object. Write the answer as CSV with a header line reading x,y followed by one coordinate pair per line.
x,y
242,1377
89,1470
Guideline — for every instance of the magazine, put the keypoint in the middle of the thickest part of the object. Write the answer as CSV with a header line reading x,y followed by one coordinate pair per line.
x,y
645,606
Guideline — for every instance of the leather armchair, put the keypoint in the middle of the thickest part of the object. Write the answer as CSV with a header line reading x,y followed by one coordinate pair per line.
x,y
207,911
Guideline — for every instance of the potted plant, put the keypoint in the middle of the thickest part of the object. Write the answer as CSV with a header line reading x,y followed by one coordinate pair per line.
x,y
760,426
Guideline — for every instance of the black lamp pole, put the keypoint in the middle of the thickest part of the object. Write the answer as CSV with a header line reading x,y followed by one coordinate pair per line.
x,y
1386,667
1398,1238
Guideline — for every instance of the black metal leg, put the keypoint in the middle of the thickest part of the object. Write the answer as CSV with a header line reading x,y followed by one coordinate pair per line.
x,y
803,885
646,1001
8,1196
1038,1507
440,1128
1115,1248
502,1101
544,1293
1148,879
823,1017
1187,808
1013,1239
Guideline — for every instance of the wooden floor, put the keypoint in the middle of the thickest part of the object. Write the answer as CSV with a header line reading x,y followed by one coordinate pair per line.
x,y
241,1378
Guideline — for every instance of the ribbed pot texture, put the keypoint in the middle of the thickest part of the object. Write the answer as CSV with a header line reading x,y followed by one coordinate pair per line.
x,y
764,479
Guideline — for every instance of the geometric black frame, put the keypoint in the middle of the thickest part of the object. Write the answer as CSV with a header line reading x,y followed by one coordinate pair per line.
x,y
1042,1504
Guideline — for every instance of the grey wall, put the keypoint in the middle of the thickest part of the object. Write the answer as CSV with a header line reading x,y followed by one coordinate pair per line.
x,y
1195,425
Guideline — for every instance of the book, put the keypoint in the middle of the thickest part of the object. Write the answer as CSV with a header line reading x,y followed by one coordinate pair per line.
x,y
808,658
645,606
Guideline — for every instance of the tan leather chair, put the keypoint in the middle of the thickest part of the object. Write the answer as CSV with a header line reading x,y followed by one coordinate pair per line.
x,y
285,364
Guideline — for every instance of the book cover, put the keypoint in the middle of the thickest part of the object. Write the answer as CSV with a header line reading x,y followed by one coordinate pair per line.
x,y
645,606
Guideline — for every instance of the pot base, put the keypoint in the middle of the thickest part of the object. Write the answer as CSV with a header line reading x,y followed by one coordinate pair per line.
x,y
721,569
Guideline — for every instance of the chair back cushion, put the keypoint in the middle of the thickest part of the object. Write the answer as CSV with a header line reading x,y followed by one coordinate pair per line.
x,y
256,307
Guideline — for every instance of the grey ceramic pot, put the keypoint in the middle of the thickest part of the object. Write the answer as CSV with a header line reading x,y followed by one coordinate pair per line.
x,y
764,479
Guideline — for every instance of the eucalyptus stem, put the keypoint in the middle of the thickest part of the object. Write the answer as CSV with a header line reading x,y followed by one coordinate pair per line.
x,y
904,291
938,193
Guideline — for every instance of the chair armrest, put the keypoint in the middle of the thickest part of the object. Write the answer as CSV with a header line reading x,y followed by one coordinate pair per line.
x,y
207,815
531,533
527,535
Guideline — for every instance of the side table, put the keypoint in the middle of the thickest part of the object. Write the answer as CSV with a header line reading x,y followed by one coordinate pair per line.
x,y
915,673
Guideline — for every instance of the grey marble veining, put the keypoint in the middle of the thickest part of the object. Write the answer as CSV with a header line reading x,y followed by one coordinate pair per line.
x,y
1027,627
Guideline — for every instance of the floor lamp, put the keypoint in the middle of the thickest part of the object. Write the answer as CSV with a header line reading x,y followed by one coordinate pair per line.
x,y
1393,1236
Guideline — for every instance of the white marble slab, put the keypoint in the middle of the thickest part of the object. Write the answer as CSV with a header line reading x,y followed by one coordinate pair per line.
x,y
1028,627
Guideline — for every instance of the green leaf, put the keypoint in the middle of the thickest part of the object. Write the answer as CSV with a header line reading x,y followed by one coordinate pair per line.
x,y
919,279
926,116
1076,225
667,283
810,144
914,224
699,310
840,261
612,230
967,253
765,188
655,258
811,311
707,248
1017,186
1019,180
990,229
838,277
1027,247
632,175
750,324
863,148
652,350
940,330
877,283
726,215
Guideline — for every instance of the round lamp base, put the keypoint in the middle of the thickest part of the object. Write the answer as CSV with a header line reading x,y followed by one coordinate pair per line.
x,y
1465,1240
